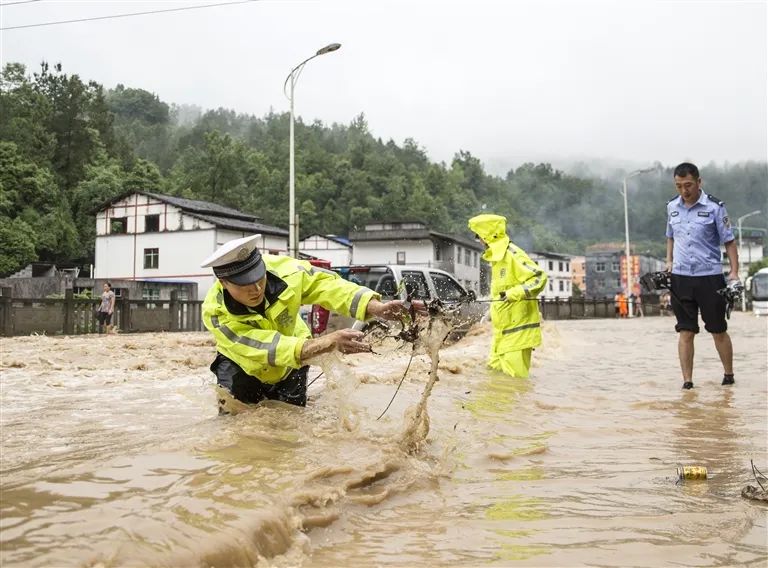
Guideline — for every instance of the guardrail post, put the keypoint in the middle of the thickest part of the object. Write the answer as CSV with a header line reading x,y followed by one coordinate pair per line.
x,y
173,311
69,312
125,311
6,296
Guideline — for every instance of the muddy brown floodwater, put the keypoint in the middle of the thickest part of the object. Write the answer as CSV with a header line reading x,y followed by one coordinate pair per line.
x,y
113,455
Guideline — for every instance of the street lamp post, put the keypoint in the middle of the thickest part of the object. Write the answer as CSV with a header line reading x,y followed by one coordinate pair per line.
x,y
293,78
628,266
741,245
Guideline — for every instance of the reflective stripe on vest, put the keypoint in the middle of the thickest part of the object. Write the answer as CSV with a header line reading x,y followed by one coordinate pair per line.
x,y
270,348
520,328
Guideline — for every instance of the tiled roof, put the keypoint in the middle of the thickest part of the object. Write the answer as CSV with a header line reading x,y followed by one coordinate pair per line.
x,y
221,216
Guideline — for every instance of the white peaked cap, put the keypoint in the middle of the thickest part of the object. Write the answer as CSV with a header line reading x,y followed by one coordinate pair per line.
x,y
239,261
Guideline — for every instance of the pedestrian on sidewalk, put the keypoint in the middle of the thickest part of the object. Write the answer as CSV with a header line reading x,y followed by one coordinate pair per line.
x,y
106,309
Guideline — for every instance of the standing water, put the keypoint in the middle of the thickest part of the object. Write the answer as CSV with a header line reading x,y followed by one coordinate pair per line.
x,y
113,455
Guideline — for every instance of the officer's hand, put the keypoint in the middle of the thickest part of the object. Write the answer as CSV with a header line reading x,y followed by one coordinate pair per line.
x,y
668,267
344,340
733,277
350,341
394,309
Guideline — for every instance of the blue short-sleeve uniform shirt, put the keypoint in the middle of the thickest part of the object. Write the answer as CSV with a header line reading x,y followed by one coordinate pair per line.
x,y
698,232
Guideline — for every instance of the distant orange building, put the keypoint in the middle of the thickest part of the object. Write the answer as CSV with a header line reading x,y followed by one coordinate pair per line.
x,y
579,273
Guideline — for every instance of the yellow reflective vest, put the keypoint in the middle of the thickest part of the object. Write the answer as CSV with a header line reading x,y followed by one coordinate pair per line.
x,y
516,321
267,343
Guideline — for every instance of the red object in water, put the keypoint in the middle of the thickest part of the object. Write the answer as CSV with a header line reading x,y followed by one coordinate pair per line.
x,y
318,317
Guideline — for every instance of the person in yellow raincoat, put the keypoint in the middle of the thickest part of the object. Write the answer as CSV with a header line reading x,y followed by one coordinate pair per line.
x,y
516,281
252,310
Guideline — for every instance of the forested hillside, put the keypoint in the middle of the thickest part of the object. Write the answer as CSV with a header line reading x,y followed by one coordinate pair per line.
x,y
67,145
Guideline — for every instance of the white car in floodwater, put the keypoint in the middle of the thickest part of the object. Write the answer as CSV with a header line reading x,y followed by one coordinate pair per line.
x,y
427,284
758,288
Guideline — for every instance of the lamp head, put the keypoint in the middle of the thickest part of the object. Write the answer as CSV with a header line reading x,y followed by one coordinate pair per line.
x,y
328,48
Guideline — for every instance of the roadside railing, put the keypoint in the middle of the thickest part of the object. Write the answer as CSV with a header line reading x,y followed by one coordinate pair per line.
x,y
75,316
579,308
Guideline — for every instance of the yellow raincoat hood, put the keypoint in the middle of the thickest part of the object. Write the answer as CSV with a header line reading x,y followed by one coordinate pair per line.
x,y
492,229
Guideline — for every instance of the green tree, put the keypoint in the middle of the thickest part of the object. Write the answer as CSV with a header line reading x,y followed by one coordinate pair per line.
x,y
17,245
80,122
24,114
102,183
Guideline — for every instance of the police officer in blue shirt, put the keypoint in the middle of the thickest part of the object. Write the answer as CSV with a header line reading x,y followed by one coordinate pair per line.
x,y
697,224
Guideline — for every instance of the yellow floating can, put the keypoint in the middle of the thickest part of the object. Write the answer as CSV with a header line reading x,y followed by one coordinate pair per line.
x,y
691,472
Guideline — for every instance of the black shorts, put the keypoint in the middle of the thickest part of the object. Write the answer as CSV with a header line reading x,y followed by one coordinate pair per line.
x,y
691,294
105,318
249,389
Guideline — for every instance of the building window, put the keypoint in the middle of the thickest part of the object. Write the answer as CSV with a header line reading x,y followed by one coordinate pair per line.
x,y
151,223
614,267
152,258
618,282
550,286
437,251
560,266
468,257
82,292
401,257
567,266
551,266
599,267
118,225
562,286
476,259
150,293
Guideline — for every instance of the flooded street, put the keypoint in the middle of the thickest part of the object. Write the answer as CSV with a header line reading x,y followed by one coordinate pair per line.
x,y
113,455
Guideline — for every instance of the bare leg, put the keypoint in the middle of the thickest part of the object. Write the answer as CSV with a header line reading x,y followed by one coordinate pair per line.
x,y
725,350
685,353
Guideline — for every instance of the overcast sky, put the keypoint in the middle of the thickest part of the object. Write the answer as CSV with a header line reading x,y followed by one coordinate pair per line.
x,y
631,81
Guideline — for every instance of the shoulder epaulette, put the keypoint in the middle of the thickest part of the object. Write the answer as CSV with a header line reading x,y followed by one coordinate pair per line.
x,y
715,199
671,200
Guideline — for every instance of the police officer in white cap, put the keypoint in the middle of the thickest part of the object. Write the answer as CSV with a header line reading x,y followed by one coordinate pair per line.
x,y
253,312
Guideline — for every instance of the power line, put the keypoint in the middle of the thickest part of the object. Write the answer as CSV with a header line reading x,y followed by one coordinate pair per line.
x,y
3,4
125,15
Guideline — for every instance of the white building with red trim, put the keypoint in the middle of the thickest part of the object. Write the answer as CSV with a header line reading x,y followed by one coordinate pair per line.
x,y
336,250
160,238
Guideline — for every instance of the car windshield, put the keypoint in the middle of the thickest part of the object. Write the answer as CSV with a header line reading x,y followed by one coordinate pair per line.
x,y
448,290
365,275
416,284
